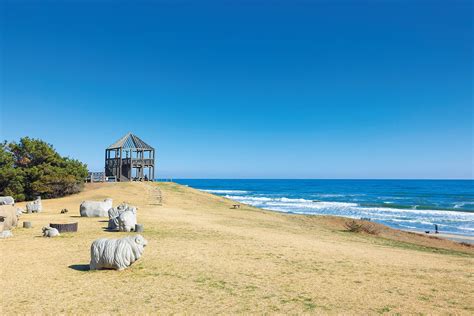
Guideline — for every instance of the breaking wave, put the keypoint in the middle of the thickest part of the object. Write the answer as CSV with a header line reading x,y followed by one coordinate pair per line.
x,y
226,191
403,217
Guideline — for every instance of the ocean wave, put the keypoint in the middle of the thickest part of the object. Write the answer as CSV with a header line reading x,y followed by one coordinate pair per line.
x,y
227,191
462,204
402,216
288,201
313,204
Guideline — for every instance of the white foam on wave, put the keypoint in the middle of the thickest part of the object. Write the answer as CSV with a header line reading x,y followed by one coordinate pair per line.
x,y
329,195
461,204
227,191
460,221
284,201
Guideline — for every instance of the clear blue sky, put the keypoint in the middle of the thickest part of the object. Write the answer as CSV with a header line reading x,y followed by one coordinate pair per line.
x,y
247,89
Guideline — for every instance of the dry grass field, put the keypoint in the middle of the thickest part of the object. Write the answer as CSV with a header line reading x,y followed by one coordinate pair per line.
x,y
203,257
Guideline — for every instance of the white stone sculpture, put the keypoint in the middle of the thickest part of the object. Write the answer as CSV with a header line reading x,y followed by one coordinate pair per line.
x,y
6,234
116,253
19,212
8,216
95,208
35,206
127,220
114,214
50,232
7,200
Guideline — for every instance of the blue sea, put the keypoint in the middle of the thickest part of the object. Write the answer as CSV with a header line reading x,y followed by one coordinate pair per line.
x,y
402,204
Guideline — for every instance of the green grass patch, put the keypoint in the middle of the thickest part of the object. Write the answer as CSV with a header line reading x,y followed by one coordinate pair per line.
x,y
410,246
383,241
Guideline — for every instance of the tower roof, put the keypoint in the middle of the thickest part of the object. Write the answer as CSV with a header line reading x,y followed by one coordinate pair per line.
x,y
130,141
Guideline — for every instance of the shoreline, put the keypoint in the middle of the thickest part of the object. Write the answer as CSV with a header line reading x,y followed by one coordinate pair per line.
x,y
454,237
459,238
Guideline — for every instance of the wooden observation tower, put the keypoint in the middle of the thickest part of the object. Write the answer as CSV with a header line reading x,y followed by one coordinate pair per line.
x,y
130,159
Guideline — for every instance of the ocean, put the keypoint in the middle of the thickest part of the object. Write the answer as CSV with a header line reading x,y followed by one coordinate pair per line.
x,y
402,204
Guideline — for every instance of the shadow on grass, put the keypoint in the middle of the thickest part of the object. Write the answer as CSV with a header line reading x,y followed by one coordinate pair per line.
x,y
110,230
79,267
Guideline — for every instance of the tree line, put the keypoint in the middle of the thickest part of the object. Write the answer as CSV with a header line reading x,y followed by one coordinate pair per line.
x,y
33,168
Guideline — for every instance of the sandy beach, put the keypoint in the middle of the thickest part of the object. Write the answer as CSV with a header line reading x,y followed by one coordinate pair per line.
x,y
204,257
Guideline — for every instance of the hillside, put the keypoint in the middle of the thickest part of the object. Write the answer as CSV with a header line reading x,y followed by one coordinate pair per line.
x,y
204,257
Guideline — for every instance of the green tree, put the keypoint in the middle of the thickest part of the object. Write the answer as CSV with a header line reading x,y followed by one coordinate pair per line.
x,y
32,167
11,178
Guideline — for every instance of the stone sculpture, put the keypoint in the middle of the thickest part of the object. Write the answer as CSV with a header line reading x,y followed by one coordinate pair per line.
x,y
50,232
114,215
116,253
19,212
6,234
95,208
8,216
7,200
35,206
127,220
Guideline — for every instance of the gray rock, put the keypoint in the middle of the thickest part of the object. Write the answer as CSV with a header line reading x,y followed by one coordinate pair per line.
x,y
116,253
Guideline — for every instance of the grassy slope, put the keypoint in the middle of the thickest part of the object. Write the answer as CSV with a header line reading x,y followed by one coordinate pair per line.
x,y
204,257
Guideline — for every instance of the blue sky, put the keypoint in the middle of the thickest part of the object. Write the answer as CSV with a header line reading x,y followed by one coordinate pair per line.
x,y
247,89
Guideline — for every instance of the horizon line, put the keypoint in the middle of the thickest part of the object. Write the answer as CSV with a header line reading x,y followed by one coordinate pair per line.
x,y
352,179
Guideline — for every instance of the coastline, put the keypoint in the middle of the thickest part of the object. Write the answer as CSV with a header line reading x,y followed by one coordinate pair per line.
x,y
459,238
205,257
454,237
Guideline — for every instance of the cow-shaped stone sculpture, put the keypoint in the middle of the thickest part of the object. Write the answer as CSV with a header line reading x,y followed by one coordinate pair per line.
x,y
116,253
50,232
95,208
7,200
